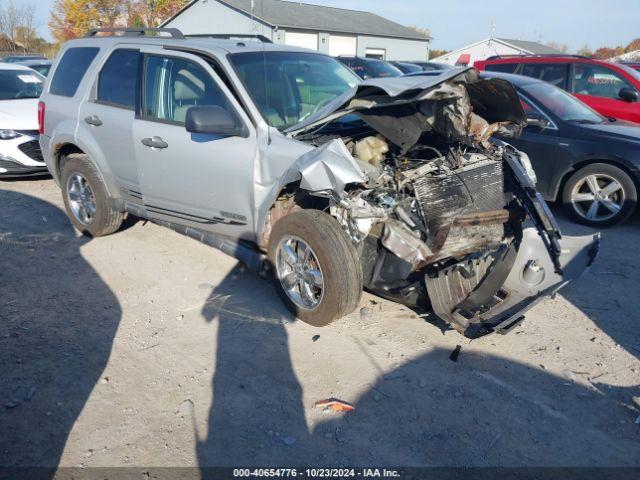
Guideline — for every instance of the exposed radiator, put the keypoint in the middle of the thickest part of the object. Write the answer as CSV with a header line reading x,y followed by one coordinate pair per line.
x,y
473,189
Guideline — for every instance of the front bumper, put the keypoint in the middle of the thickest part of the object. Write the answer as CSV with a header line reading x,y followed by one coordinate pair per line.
x,y
532,276
21,156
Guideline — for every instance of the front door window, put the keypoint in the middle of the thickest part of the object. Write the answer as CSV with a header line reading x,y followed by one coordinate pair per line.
x,y
597,81
173,85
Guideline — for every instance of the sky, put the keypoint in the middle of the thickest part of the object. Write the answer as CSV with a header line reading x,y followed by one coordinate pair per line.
x,y
456,23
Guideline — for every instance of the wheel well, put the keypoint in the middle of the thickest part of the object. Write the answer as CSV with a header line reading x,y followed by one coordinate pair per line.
x,y
62,152
290,199
585,163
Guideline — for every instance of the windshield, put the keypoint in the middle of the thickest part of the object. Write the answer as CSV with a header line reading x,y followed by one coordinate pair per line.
x,y
15,84
633,71
563,105
287,87
41,69
382,69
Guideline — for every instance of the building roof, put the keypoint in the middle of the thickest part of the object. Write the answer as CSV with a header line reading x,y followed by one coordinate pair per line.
x,y
530,47
526,47
304,16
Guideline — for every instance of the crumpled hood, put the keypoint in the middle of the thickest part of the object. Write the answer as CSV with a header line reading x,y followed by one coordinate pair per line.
x,y
19,114
402,108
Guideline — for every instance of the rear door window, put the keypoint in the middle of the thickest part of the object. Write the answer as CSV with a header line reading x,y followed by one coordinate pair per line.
x,y
597,81
71,69
502,67
554,73
118,79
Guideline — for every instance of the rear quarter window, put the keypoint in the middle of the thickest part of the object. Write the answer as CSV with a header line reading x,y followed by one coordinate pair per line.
x,y
502,67
69,72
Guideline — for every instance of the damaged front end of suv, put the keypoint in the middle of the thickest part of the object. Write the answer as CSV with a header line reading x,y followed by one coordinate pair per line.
x,y
436,207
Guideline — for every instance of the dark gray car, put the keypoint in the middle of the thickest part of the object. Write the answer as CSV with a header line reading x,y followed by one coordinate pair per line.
x,y
283,158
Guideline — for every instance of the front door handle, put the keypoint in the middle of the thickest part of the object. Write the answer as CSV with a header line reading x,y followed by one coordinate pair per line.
x,y
93,120
154,142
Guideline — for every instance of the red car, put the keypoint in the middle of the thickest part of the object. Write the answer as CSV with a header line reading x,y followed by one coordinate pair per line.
x,y
612,89
634,65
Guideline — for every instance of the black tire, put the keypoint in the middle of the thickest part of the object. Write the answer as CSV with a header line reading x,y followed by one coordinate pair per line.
x,y
628,195
337,259
106,219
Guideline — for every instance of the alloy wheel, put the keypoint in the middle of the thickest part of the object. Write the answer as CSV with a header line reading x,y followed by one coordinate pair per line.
x,y
598,197
81,198
299,272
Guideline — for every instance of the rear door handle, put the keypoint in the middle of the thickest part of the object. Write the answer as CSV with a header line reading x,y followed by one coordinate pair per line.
x,y
154,142
93,120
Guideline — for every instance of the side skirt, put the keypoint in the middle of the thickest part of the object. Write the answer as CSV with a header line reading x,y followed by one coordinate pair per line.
x,y
240,250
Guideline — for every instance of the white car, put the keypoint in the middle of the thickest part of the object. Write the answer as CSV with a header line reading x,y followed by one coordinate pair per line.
x,y
20,154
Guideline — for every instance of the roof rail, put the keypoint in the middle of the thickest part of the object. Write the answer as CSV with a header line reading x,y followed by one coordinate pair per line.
x,y
231,36
135,31
541,55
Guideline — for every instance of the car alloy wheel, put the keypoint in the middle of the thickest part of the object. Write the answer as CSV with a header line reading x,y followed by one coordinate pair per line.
x,y
81,198
598,197
299,272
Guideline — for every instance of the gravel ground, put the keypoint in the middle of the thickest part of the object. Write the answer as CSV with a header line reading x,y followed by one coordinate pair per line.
x,y
146,348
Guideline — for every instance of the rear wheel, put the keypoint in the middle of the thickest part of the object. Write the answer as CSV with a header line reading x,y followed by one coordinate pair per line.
x,y
316,269
600,195
85,196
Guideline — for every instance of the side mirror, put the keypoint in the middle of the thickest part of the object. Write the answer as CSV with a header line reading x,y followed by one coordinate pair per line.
x,y
629,94
537,121
213,120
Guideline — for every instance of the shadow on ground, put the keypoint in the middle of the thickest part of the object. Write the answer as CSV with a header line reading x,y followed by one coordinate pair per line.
x,y
609,294
49,363
482,410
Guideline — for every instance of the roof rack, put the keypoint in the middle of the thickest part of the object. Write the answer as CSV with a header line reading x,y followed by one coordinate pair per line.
x,y
541,55
135,31
231,36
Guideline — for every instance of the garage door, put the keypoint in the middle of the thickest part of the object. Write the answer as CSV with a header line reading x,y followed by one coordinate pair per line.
x,y
379,53
342,45
304,40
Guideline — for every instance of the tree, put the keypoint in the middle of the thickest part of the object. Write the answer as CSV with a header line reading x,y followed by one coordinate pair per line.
x,y
151,13
633,46
558,46
604,53
585,51
422,31
72,18
433,53
17,25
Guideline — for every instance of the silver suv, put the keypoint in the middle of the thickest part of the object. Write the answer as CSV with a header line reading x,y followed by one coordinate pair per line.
x,y
285,159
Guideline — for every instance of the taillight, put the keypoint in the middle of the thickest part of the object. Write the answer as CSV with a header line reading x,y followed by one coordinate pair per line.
x,y
41,109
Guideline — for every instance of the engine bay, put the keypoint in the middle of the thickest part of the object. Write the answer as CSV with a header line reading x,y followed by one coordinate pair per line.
x,y
435,203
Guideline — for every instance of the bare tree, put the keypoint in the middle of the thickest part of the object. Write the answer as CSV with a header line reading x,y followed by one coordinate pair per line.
x,y
17,25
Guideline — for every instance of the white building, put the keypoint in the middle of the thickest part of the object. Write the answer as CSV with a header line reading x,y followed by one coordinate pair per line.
x,y
633,57
335,31
489,47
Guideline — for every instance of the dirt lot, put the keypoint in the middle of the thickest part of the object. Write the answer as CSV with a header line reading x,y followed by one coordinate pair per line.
x,y
146,348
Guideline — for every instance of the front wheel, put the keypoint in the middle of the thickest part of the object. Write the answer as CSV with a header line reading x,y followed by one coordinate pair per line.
x,y
86,199
315,267
600,195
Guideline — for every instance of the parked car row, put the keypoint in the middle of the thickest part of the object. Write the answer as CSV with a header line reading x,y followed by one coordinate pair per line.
x,y
375,68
